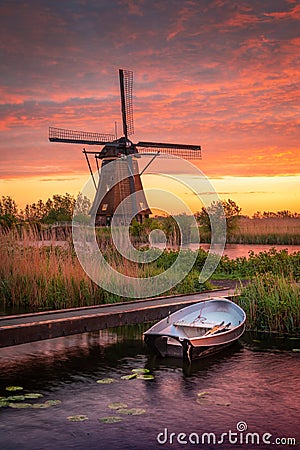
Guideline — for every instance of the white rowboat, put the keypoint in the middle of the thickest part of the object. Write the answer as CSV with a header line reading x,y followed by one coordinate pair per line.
x,y
197,330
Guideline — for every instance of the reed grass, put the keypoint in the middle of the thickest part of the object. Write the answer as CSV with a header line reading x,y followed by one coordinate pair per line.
x,y
271,231
271,303
39,275
42,277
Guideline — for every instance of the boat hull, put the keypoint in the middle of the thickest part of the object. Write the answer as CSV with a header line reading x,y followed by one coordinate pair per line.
x,y
189,335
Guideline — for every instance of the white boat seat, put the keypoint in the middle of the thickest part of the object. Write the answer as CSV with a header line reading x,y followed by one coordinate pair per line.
x,y
207,325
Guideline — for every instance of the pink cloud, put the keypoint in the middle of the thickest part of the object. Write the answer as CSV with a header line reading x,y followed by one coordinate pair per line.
x,y
206,73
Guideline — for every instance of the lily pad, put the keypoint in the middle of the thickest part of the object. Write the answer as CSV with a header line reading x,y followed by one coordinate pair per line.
x,y
78,418
145,377
202,397
110,419
132,411
202,394
106,381
40,405
33,395
141,370
13,388
2,404
16,398
20,405
117,405
129,377
296,350
223,403
52,402
3,399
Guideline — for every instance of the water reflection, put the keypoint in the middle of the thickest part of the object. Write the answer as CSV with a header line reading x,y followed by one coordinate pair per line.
x,y
254,381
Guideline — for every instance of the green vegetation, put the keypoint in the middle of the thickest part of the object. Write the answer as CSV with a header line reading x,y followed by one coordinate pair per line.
x,y
58,209
50,277
271,303
44,277
281,227
277,262
17,401
218,211
37,274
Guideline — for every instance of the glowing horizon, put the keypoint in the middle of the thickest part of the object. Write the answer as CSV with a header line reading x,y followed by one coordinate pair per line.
x,y
251,194
210,73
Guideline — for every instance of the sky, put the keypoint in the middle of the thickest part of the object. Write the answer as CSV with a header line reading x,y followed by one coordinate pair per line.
x,y
222,74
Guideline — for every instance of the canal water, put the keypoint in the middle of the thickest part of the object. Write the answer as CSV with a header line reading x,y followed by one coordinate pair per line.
x,y
244,398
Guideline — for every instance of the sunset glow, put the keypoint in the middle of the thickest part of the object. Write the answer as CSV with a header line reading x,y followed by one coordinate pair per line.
x,y
224,75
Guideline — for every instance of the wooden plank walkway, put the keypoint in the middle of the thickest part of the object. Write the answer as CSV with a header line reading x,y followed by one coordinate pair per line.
x,y
23,328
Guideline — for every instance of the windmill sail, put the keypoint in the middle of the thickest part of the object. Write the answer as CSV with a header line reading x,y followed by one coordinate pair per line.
x,y
186,151
126,84
78,137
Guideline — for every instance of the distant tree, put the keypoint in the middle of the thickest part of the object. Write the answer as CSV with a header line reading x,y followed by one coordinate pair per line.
x,y
137,230
223,209
185,222
83,205
8,206
170,229
35,212
141,231
284,214
59,208
8,212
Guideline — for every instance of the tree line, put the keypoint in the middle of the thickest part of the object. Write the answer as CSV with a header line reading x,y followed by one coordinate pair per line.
x,y
60,208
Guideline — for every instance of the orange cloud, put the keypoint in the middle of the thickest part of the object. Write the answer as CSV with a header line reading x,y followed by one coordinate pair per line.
x,y
219,74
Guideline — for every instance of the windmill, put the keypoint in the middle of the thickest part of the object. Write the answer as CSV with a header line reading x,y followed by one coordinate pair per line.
x,y
119,162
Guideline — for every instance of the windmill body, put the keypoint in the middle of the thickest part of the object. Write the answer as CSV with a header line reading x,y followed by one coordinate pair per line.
x,y
119,192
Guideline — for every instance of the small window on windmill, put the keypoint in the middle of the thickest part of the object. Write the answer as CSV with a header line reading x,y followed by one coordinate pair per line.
x,y
104,207
142,205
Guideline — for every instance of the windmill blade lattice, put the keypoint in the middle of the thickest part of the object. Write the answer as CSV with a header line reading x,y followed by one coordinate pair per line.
x,y
126,85
78,137
186,151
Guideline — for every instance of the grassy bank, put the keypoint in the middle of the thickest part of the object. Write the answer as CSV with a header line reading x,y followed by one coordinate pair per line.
x,y
50,276
278,262
272,303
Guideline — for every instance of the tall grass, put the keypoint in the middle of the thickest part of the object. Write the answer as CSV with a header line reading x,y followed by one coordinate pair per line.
x,y
271,231
272,303
42,275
